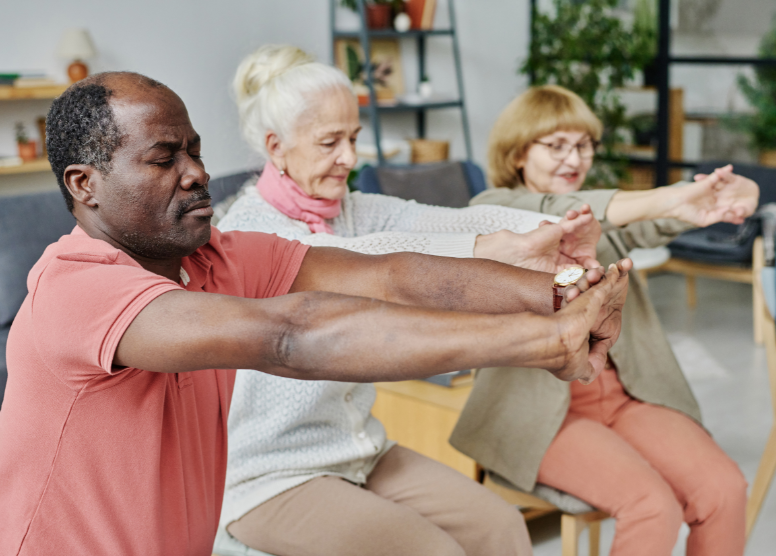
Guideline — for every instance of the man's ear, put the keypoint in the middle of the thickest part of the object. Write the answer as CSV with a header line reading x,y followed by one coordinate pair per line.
x,y
275,150
82,181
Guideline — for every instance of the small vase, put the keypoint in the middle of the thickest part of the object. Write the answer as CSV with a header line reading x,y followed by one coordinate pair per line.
x,y
378,16
28,151
768,158
402,23
425,89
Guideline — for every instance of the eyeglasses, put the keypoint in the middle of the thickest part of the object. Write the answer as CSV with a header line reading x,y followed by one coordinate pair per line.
x,y
561,149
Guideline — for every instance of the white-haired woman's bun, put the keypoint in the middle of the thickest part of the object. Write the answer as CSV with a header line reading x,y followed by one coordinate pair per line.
x,y
275,85
264,65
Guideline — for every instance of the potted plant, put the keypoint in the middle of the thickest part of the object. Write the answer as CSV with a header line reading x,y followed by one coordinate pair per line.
x,y
586,48
379,13
27,148
761,94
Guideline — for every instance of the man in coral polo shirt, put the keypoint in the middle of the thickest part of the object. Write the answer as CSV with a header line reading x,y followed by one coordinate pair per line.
x,y
112,436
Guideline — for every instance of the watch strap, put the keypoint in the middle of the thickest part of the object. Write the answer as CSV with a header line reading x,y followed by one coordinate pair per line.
x,y
557,297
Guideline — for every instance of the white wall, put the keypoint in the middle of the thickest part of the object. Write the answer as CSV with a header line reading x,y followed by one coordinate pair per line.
x,y
194,46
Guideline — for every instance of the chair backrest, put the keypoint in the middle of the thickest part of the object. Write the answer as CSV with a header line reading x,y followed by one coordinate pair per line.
x,y
223,187
28,224
447,184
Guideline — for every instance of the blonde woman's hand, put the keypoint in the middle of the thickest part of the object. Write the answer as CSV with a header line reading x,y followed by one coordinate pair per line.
x,y
721,196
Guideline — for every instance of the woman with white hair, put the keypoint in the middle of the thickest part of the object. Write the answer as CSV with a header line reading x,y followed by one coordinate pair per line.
x,y
310,470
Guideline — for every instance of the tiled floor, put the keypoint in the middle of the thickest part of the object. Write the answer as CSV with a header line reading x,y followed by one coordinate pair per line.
x,y
729,377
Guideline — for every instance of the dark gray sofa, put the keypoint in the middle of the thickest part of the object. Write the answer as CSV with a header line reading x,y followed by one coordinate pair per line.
x,y
28,224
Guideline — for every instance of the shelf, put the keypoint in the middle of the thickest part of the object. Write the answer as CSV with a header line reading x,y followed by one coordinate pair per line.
x,y
37,165
7,92
390,33
399,107
722,60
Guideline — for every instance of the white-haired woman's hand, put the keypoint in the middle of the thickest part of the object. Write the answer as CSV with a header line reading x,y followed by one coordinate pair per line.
x,y
549,248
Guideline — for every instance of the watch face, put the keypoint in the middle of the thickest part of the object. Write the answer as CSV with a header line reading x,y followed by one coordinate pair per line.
x,y
569,276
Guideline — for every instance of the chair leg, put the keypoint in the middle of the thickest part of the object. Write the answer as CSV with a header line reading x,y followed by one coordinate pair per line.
x,y
692,299
758,302
570,528
594,534
762,481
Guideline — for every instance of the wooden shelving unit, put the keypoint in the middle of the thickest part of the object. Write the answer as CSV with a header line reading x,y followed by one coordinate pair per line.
x,y
374,108
8,92
37,165
49,92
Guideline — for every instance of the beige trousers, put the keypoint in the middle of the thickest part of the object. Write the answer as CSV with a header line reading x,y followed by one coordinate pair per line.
x,y
411,505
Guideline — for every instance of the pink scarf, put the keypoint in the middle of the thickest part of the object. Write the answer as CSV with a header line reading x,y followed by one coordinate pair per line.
x,y
285,195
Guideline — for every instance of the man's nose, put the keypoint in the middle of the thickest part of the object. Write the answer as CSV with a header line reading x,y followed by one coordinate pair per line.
x,y
194,175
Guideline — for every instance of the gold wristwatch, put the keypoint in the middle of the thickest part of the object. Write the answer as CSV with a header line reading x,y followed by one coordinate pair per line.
x,y
563,279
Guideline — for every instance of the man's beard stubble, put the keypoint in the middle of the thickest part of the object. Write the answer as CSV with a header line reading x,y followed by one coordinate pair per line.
x,y
176,241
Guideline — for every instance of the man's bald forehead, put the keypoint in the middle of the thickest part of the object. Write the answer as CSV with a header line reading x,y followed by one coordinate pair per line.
x,y
118,80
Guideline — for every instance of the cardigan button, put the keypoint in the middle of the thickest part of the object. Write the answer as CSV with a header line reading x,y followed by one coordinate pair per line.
x,y
348,397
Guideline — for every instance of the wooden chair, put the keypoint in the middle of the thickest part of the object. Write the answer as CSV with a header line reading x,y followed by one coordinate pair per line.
x,y
576,515
764,280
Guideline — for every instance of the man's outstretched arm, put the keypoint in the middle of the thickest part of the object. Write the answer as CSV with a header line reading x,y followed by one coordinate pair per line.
x,y
316,335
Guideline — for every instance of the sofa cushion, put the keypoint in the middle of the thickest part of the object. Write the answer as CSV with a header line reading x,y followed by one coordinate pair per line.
x,y
3,364
28,224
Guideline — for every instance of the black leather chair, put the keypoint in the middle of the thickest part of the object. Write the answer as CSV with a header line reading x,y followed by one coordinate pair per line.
x,y
28,224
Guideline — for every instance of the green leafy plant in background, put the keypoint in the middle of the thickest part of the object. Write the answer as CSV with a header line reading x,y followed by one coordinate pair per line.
x,y
761,94
585,47
21,134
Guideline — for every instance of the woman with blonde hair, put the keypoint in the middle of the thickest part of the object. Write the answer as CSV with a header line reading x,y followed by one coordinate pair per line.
x,y
310,470
631,443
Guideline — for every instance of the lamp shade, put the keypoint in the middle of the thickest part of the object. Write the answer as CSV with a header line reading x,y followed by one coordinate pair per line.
x,y
76,44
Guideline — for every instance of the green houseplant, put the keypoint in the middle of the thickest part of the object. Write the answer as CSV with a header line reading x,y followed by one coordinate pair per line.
x,y
587,48
761,94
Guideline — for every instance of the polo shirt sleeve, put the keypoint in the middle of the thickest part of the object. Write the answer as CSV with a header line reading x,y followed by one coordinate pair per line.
x,y
267,264
81,305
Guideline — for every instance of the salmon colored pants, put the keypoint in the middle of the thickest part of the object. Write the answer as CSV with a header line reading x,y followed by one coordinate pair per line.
x,y
650,468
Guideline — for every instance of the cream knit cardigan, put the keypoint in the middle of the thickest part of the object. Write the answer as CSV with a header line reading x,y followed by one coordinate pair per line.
x,y
284,432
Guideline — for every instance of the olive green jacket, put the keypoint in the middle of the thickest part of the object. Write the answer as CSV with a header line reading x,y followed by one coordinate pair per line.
x,y
512,414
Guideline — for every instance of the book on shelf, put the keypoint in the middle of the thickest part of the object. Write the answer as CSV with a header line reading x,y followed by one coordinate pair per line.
x,y
6,161
452,379
421,13
30,82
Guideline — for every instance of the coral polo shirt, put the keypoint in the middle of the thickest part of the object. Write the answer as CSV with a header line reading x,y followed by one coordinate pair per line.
x,y
100,460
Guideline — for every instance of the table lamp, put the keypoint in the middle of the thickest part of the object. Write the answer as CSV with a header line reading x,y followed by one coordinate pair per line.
x,y
76,45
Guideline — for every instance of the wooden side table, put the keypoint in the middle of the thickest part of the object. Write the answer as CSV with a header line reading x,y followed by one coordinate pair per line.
x,y
421,416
